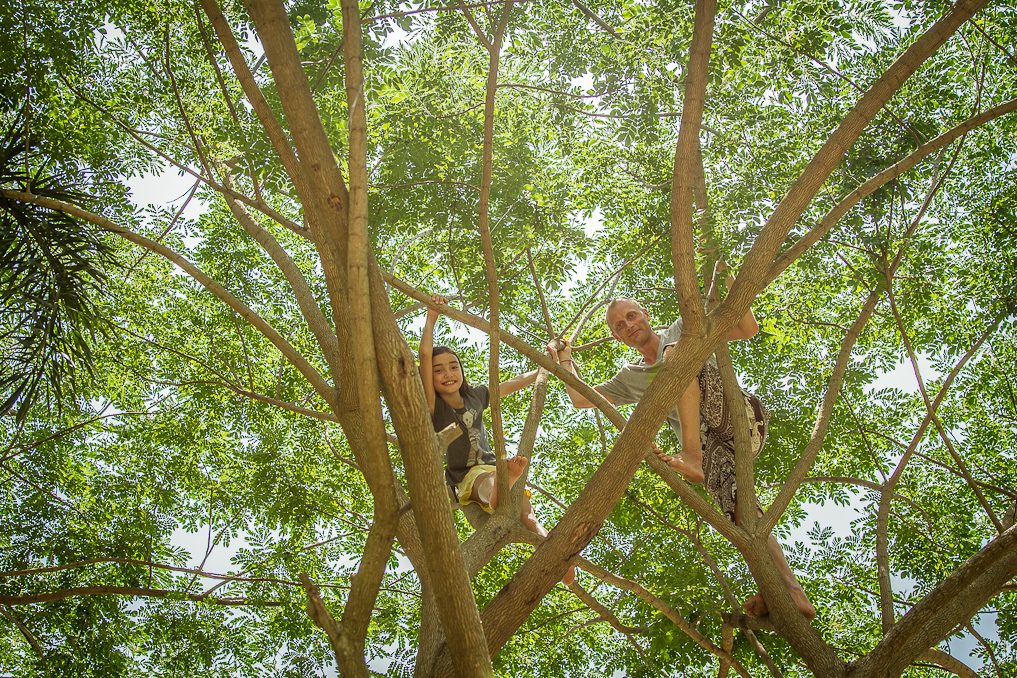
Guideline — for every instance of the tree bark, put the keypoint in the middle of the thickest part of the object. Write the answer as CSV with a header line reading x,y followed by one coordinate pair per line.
x,y
418,446
951,603
686,165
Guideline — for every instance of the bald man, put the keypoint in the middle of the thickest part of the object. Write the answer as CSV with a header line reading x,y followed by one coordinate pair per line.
x,y
701,418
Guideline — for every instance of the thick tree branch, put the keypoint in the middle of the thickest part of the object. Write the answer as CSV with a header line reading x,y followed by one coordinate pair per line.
x,y
948,605
686,165
439,543
483,224
265,114
374,459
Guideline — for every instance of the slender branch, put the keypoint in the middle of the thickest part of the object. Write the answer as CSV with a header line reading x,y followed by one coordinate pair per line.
x,y
656,603
477,30
306,301
259,205
134,592
833,217
443,8
595,18
548,323
818,436
883,513
604,614
25,632
483,224
961,466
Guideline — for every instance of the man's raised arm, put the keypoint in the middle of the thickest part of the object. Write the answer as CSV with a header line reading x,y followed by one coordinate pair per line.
x,y
562,354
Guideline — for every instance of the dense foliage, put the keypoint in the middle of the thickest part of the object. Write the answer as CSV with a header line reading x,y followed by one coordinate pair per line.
x,y
183,419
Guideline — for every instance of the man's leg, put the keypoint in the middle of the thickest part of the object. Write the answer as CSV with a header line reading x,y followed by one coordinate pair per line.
x,y
756,606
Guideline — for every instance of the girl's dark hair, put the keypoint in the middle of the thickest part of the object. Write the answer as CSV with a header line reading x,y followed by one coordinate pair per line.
x,y
437,351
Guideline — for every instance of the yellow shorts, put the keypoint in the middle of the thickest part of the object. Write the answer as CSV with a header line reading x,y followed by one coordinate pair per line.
x,y
465,487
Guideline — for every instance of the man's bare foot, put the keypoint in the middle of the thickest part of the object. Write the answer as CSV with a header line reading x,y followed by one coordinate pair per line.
x,y
756,606
515,467
570,576
692,473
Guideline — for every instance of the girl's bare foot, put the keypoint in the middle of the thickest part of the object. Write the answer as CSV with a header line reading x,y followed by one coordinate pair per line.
x,y
515,467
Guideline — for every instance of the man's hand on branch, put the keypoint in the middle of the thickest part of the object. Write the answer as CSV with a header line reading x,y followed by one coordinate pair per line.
x,y
723,272
560,350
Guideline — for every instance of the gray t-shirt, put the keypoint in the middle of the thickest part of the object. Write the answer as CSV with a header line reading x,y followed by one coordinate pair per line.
x,y
632,380
472,447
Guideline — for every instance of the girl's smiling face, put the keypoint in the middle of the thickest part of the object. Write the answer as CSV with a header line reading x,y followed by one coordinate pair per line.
x,y
447,374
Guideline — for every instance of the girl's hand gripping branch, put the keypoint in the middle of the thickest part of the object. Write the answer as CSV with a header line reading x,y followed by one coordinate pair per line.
x,y
427,350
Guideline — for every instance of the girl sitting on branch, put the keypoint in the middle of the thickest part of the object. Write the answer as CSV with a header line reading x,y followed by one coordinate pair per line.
x,y
469,462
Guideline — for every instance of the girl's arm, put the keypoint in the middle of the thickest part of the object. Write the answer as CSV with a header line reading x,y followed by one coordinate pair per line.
x,y
514,384
426,351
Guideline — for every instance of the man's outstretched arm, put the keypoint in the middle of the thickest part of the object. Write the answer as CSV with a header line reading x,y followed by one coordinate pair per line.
x,y
563,356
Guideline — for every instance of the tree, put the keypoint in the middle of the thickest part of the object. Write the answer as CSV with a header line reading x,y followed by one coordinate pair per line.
x,y
253,377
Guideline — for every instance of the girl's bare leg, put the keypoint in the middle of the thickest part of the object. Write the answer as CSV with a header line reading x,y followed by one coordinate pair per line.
x,y
529,520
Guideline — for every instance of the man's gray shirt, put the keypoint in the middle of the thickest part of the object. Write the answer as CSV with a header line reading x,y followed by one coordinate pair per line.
x,y
632,380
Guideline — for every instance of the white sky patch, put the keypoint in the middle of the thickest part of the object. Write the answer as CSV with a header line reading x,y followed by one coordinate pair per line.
x,y
166,188
903,376
220,559
584,82
396,37
594,224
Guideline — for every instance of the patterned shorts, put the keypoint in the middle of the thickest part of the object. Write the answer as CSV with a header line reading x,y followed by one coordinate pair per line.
x,y
717,435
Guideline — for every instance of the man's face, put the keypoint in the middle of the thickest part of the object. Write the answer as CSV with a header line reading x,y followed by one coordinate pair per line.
x,y
629,323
